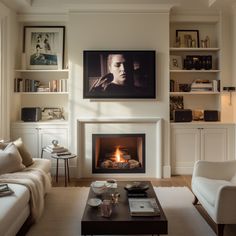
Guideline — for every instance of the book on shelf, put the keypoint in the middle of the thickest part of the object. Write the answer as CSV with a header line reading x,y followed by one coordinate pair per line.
x,y
143,207
5,190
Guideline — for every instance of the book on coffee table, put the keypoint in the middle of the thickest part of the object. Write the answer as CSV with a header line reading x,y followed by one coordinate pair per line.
x,y
143,207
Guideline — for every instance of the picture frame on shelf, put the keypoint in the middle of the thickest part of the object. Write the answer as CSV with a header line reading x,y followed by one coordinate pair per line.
x,y
44,47
188,38
176,62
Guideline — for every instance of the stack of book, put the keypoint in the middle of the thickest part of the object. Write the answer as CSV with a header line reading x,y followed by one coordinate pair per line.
x,y
5,190
143,207
57,150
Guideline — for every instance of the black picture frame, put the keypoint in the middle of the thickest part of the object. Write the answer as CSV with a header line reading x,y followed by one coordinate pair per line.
x,y
188,38
98,81
35,39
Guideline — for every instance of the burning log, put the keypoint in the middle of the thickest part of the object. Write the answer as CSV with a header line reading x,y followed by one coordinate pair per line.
x,y
133,164
107,164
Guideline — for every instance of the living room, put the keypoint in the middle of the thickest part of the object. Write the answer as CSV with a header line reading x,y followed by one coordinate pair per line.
x,y
171,148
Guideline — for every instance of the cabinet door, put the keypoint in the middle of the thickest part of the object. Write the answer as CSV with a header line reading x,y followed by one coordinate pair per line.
x,y
30,139
214,144
185,150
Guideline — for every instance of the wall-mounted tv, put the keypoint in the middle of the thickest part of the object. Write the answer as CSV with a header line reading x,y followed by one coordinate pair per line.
x,y
119,74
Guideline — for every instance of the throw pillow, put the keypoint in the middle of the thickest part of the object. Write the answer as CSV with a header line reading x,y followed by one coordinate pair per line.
x,y
25,155
10,159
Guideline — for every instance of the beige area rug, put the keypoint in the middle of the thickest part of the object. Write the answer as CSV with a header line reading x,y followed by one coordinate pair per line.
x,y
64,209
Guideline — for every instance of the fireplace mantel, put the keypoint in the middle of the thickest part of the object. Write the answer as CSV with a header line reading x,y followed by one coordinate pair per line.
x,y
156,123
120,120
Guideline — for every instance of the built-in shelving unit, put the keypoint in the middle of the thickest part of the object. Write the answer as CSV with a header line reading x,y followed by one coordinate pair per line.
x,y
183,77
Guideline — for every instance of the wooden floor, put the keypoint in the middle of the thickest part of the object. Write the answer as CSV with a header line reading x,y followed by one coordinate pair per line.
x,y
174,181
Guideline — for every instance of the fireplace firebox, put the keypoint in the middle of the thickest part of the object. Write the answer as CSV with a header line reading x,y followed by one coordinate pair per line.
x,y
118,153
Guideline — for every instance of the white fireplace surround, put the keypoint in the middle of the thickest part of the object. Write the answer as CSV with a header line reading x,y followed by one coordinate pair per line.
x,y
151,127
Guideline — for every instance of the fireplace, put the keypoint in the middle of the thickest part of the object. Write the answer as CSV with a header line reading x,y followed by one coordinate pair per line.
x,y
118,153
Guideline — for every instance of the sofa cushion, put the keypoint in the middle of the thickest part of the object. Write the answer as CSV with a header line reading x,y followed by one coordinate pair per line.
x,y
10,159
13,207
25,155
209,187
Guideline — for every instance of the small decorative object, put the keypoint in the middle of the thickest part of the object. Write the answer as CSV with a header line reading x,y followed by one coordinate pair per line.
x,y
99,187
198,115
176,103
106,208
176,62
52,113
44,47
205,43
94,202
198,62
136,187
115,197
177,42
55,142
188,38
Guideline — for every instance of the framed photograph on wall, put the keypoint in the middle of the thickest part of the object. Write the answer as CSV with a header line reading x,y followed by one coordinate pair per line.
x,y
176,62
44,47
119,74
188,38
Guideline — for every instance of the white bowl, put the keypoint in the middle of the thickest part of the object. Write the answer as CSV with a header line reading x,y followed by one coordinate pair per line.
x,y
94,202
99,187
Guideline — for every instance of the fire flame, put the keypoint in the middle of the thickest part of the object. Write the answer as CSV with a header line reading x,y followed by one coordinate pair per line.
x,y
118,154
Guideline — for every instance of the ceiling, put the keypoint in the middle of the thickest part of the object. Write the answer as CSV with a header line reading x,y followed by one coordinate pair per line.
x,y
63,6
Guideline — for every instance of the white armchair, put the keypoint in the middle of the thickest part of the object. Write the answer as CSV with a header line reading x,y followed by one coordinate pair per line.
x,y
214,186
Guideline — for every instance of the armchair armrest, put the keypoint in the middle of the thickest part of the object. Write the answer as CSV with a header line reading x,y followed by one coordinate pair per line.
x,y
226,205
215,170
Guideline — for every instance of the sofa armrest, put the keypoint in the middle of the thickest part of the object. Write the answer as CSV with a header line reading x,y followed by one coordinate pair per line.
x,y
215,170
226,205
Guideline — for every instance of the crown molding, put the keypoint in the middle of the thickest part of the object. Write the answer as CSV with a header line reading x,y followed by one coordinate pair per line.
x,y
120,8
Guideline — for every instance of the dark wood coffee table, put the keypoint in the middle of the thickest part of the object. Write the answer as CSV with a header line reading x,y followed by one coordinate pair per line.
x,y
121,222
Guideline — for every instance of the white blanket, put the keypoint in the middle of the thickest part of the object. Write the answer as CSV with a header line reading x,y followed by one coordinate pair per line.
x,y
38,183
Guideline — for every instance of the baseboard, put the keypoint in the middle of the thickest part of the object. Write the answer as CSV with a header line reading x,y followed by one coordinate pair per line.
x,y
166,171
182,171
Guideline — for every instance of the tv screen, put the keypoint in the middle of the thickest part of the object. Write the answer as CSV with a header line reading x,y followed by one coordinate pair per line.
x,y
119,74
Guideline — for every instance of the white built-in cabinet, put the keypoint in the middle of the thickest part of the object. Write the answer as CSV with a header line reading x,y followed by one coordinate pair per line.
x,y
200,141
36,135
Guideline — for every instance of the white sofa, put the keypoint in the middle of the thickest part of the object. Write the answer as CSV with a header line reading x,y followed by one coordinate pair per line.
x,y
214,186
15,208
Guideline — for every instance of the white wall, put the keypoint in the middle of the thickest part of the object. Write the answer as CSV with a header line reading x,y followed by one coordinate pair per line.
x,y
133,31
8,52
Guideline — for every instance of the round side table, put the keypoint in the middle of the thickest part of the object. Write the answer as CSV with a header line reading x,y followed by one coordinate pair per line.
x,y
66,166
